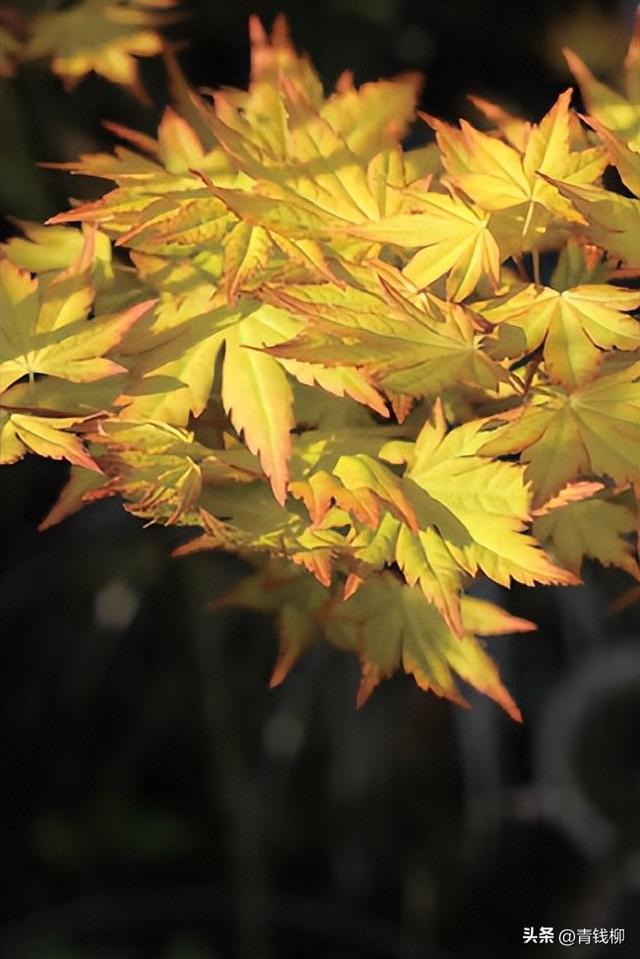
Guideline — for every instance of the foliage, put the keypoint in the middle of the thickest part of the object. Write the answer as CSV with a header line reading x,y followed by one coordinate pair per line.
x,y
89,35
377,372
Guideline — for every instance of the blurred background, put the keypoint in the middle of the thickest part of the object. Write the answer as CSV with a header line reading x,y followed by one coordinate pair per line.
x,y
158,800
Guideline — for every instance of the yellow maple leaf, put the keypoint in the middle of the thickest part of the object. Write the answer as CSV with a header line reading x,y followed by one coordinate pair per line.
x,y
616,112
49,436
44,328
595,528
499,177
562,436
575,325
611,221
102,36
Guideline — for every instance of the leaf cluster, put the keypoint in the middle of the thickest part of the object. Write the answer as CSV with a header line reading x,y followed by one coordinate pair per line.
x,y
378,372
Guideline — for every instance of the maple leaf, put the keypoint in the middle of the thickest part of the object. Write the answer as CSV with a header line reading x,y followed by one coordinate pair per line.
x,y
152,466
383,516
81,482
171,357
158,216
158,469
245,251
410,347
50,396
180,224
374,117
618,113
611,221
318,167
341,466
422,556
561,436
340,381
514,130
258,398
251,521
625,159
161,470
499,177
160,205
46,248
46,331
22,433
578,262
275,56
370,118
575,325
454,237
479,508
390,626
595,528
454,512
181,342
296,600
282,212
101,36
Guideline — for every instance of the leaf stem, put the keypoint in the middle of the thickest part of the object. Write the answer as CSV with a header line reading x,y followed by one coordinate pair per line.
x,y
535,257
520,267
531,371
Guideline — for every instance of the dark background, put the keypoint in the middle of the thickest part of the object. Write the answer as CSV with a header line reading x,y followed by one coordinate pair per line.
x,y
159,802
